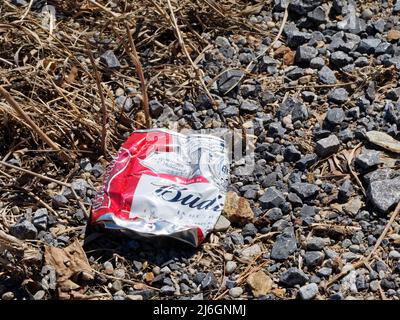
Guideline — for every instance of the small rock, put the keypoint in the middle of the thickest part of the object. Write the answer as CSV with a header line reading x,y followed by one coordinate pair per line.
x,y
338,96
110,60
395,255
316,244
108,268
353,206
317,63
7,296
59,200
125,103
40,219
368,45
309,291
368,159
230,267
222,224
80,187
335,116
304,54
249,230
228,80
39,295
304,190
340,59
345,191
384,194
292,277
24,230
285,245
235,292
119,273
291,154
167,290
251,251
393,35
327,146
274,214
327,76
271,198
313,259
260,283
209,281
249,106
156,108
237,209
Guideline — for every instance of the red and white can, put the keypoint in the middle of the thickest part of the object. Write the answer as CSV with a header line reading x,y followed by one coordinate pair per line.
x,y
163,183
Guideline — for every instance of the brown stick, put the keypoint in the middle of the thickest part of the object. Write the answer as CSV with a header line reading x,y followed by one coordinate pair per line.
x,y
27,119
183,47
103,104
143,87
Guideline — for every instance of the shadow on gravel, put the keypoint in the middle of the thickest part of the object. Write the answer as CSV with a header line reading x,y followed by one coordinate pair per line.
x,y
160,251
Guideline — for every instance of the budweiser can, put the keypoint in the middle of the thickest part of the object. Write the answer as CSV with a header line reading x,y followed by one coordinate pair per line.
x,y
164,183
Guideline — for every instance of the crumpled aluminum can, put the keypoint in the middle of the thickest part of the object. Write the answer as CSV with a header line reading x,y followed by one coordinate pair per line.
x,y
164,183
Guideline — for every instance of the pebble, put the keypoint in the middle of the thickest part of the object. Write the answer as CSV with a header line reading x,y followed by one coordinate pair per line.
x,y
338,96
260,283
7,296
285,245
230,267
235,292
209,281
309,291
384,194
23,230
292,277
327,146
110,60
326,75
335,116
222,224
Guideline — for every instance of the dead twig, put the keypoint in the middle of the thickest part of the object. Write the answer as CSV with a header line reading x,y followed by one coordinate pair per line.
x,y
183,47
139,70
27,119
103,104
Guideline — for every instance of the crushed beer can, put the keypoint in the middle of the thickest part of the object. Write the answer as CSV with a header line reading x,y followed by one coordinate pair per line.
x,y
164,183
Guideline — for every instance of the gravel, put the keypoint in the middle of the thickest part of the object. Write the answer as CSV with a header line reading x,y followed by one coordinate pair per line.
x,y
307,106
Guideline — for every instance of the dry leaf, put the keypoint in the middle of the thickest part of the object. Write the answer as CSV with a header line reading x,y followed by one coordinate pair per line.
x,y
288,58
384,140
68,262
72,75
393,35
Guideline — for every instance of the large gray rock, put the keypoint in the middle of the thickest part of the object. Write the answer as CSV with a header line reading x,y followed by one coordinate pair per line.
x,y
384,194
